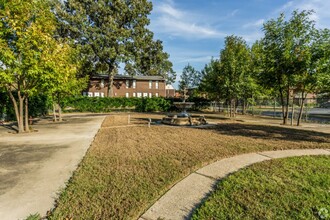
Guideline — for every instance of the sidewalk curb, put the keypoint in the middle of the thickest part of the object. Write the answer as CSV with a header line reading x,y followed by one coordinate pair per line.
x,y
182,198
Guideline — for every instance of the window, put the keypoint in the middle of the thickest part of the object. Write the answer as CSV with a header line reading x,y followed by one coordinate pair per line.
x,y
150,95
156,94
127,84
84,93
127,94
102,83
96,94
134,94
145,94
139,94
150,84
102,94
157,84
90,94
134,84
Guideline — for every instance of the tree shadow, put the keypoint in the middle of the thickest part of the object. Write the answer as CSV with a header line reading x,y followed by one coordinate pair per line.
x,y
270,132
11,126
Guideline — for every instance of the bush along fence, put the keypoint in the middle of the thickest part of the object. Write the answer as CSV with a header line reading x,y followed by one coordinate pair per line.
x,y
107,104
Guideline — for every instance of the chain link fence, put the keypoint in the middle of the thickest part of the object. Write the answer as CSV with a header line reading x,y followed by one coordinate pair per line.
x,y
315,109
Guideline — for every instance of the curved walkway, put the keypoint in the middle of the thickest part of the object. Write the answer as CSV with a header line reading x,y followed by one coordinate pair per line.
x,y
179,201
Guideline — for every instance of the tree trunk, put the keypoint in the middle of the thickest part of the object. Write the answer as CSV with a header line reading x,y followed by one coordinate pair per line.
x,y
234,108
27,127
283,107
59,107
54,112
111,76
15,106
231,108
21,113
303,98
285,121
59,113
292,111
244,107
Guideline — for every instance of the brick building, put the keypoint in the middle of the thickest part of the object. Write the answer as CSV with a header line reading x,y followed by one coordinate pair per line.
x,y
127,86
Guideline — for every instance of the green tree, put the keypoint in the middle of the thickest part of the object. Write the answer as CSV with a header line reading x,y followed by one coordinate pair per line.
x,y
210,82
234,70
104,31
63,80
26,30
291,58
190,78
148,58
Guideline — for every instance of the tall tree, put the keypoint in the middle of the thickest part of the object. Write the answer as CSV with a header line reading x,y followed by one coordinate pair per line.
x,y
63,80
290,63
235,63
210,81
103,30
148,58
190,78
26,29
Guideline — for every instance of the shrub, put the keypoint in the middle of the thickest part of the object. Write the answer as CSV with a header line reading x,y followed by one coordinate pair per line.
x,y
107,104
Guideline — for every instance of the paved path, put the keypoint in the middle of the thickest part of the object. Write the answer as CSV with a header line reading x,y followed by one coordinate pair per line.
x,y
35,166
179,202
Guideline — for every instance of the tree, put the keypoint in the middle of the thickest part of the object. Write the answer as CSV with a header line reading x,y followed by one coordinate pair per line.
x,y
235,63
289,61
210,80
148,58
104,30
26,30
63,80
190,78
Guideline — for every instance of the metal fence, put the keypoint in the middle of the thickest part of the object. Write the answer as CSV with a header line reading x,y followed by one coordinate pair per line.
x,y
315,109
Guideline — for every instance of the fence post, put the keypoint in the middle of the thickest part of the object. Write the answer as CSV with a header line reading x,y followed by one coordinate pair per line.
x,y
274,108
292,112
149,122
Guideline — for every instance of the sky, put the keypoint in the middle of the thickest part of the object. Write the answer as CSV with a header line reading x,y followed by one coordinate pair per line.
x,y
193,31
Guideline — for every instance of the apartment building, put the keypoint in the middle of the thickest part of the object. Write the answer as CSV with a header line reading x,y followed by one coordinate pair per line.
x,y
127,86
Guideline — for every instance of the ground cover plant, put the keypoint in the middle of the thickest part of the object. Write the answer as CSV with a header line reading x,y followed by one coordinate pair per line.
x,y
128,168
290,188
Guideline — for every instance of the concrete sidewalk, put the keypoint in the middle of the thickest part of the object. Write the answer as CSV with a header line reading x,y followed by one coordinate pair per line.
x,y
34,167
179,202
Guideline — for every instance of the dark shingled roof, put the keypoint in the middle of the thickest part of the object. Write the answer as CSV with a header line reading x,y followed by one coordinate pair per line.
x,y
129,77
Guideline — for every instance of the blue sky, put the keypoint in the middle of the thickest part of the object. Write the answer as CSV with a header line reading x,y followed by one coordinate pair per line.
x,y
193,31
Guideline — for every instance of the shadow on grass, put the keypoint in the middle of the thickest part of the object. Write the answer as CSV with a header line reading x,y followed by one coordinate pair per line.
x,y
270,132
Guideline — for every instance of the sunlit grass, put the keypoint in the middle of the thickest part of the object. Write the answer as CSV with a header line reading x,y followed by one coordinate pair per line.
x,y
292,188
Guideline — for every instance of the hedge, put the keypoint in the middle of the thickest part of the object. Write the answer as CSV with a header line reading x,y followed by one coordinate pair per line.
x,y
107,104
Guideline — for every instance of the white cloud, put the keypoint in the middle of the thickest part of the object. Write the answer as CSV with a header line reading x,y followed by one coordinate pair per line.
x,y
320,7
255,24
167,9
202,59
181,23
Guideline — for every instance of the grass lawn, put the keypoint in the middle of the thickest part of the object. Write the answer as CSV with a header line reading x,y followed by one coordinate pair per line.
x,y
291,188
128,168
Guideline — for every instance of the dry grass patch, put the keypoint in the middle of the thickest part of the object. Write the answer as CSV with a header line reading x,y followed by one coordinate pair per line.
x,y
128,168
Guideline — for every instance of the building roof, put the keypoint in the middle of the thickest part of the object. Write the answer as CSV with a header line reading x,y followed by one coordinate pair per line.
x,y
100,76
169,87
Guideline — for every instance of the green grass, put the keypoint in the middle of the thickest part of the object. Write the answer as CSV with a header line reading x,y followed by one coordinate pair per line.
x,y
291,188
128,168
